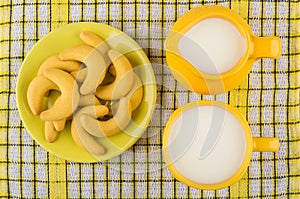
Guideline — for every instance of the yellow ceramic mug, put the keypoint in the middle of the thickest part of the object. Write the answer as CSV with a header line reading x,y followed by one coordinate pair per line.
x,y
208,145
225,39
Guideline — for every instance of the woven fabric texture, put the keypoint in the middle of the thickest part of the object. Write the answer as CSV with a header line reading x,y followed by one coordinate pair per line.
x,y
268,98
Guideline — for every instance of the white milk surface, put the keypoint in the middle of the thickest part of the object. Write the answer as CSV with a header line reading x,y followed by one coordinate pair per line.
x,y
190,137
213,46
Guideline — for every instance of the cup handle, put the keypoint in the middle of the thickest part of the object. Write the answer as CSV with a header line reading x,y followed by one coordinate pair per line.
x,y
266,47
265,144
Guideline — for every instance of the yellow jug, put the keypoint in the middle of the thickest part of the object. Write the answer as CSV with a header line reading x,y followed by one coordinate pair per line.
x,y
200,81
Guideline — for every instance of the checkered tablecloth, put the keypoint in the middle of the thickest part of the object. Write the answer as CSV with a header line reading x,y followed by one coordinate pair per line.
x,y
268,98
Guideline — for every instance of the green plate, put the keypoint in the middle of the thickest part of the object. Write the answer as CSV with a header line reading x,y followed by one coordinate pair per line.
x,y
68,36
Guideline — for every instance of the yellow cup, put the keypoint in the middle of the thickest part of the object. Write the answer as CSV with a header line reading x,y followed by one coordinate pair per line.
x,y
203,82
198,156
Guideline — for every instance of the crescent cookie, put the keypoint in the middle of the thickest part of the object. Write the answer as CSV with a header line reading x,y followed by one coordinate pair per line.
x,y
64,106
114,125
50,131
79,134
123,78
38,88
94,61
96,42
136,93
55,62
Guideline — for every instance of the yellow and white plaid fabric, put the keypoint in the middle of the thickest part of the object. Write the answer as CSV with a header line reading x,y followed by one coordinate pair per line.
x,y
268,98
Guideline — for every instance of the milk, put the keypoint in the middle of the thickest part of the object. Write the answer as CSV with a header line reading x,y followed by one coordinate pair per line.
x,y
206,144
213,46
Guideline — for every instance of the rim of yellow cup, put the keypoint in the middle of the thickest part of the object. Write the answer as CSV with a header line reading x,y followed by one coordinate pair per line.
x,y
248,146
191,18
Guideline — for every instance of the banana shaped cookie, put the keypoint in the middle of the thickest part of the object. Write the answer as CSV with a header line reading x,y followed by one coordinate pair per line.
x,y
59,125
80,76
119,121
79,134
38,88
64,106
55,62
50,131
96,42
94,61
123,78
136,93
